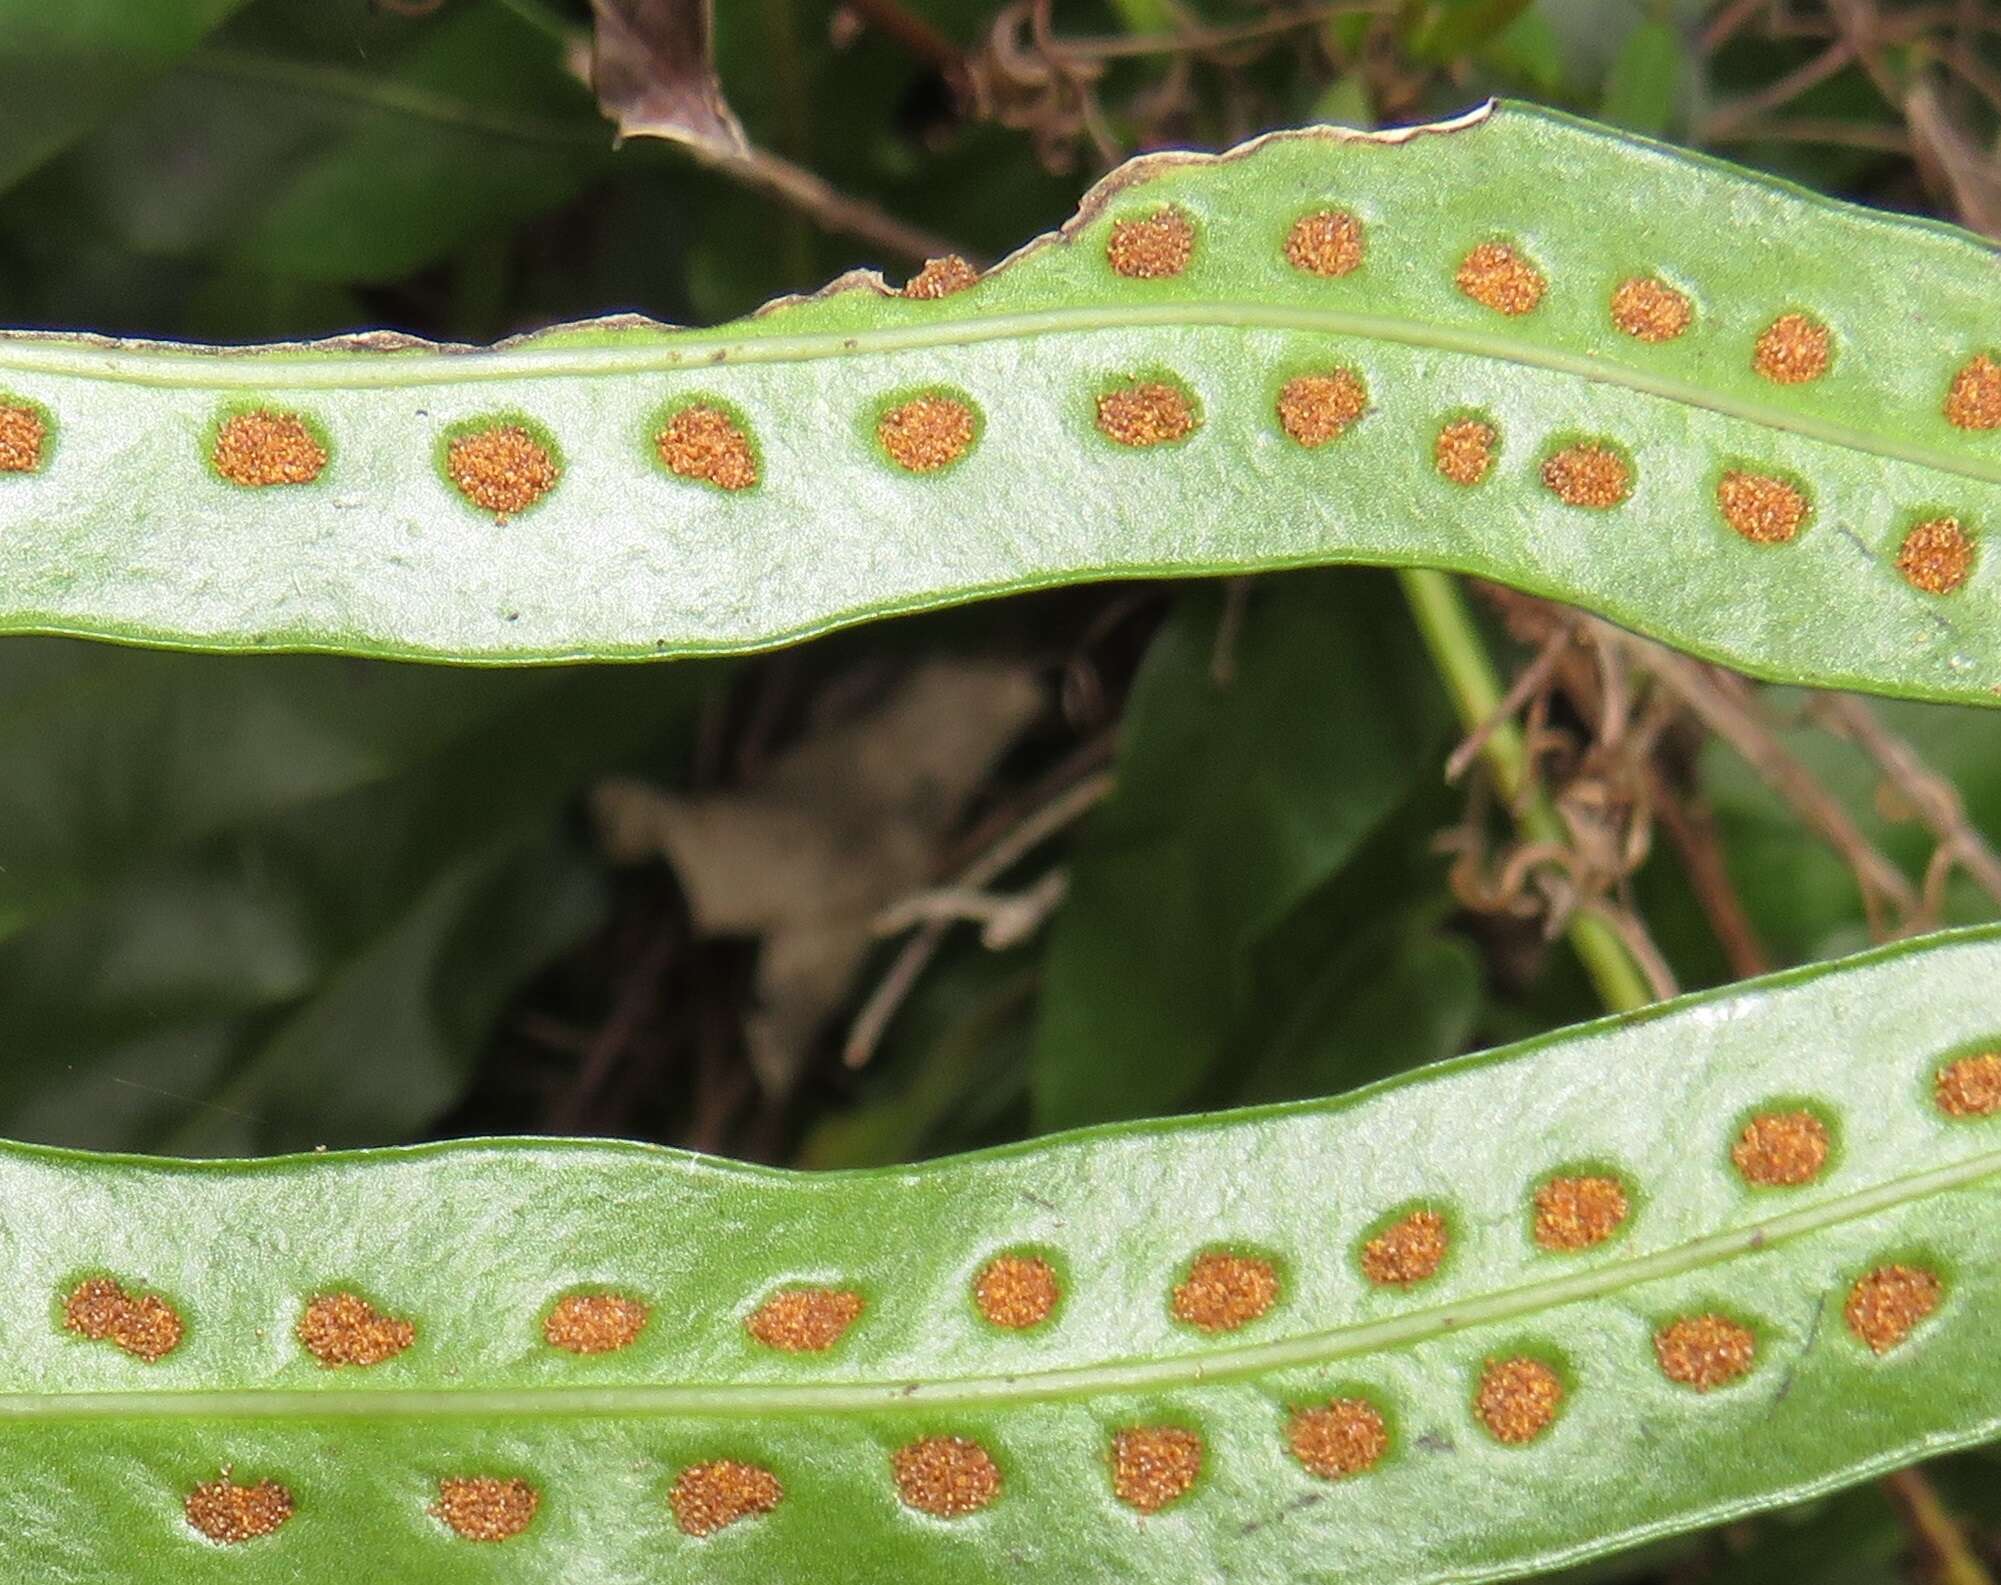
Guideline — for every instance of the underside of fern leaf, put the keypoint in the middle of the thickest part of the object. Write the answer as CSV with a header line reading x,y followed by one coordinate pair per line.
x,y
1499,1314
1756,424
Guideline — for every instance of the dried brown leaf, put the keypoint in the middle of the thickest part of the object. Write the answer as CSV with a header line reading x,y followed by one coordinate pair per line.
x,y
653,71
847,823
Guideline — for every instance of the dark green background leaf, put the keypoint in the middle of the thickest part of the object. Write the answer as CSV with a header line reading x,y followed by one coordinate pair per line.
x,y
263,908
66,65
1238,796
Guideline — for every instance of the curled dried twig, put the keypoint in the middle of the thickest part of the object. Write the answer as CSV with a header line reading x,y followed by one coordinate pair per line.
x,y
1533,679
1932,796
1021,839
1723,702
1006,919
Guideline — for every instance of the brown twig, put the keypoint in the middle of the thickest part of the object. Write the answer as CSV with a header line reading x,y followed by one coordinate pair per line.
x,y
827,206
1723,703
1203,40
917,36
1780,91
1692,830
1951,161
1727,24
634,997
1935,799
1023,79
1601,805
792,184
1632,930
1862,28
1533,678
1969,68
1835,134
1016,844
1085,759
1006,919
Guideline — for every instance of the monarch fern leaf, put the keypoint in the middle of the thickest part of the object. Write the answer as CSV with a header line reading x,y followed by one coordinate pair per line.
x,y
1754,423
1490,1317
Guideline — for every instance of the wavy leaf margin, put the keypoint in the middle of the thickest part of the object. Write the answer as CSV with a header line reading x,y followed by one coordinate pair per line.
x,y
125,529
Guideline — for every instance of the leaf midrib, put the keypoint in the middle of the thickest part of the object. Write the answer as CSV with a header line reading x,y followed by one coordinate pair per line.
x,y
1224,1363
241,369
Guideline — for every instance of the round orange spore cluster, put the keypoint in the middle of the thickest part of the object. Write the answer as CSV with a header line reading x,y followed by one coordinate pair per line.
x,y
927,433
594,1323
1464,451
345,1329
1327,243
804,1320
1648,309
709,1497
267,447
1885,1306
22,436
945,1476
1764,508
1154,1465
1153,247
484,1507
1936,555
1577,1213
1588,475
1224,1291
1517,1399
1146,413
230,1514
1781,1149
147,1327
1970,1086
703,443
941,277
1705,1351
501,469
1316,408
1016,1291
1345,1436
1793,349
1407,1251
1497,276
1974,399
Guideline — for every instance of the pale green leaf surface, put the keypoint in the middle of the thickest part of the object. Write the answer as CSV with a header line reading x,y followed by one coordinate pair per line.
x,y
471,1242
124,533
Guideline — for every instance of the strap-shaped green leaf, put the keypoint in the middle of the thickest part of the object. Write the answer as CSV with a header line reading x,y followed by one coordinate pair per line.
x,y
1759,425
1498,1314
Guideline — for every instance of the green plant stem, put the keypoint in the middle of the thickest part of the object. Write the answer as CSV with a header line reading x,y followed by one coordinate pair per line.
x,y
1466,669
1937,1531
